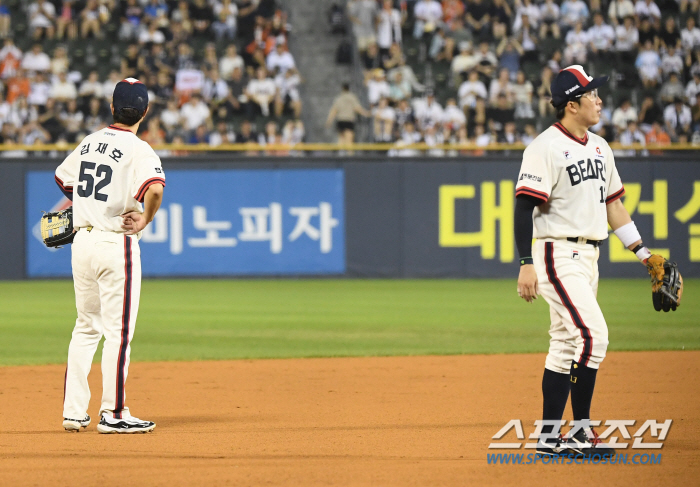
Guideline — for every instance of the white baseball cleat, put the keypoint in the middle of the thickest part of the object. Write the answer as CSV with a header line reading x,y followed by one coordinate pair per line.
x,y
74,425
128,424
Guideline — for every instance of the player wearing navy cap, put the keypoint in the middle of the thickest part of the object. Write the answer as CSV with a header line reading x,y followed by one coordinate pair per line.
x,y
115,181
568,191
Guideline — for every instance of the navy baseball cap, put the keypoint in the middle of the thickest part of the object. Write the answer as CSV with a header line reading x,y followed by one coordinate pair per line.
x,y
130,93
572,82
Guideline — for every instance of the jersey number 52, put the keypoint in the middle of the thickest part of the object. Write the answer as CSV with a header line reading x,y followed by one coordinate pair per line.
x,y
85,177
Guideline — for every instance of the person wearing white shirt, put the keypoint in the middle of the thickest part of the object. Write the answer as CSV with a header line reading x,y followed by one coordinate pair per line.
x,y
261,92
288,92
626,38
388,27
549,16
692,89
215,90
533,15
229,62
377,87
647,8
600,37
195,113
39,91
648,65
623,115
428,111
91,86
453,117
109,85
63,89
151,35
36,60
573,11
671,62
280,58
619,10
383,117
42,15
464,62
630,135
226,24
576,50
678,118
428,15
470,90
362,14
690,36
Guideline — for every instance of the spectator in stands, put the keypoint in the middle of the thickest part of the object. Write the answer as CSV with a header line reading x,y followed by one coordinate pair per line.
x,y
573,12
469,91
182,16
669,36
63,89
226,19
92,18
222,135
199,135
393,59
464,62
454,117
195,113
407,73
36,60
389,21
370,60
404,113
261,92
377,87
500,15
215,90
91,87
501,86
549,15
344,112
690,36
111,82
202,18
130,62
155,9
17,86
576,50
648,65
671,89
280,58
692,89
454,35
530,10
649,113
293,132
601,37
427,111
544,95
487,62
677,119
478,18
618,10
647,32
39,91
428,17
409,135
632,135
530,133
623,115
33,133
671,62
230,61
247,134
383,118
657,135
72,120
151,35
522,97
695,112
500,114
66,23
555,61
60,62
171,118
451,11
237,98
362,14
509,52
399,89
42,15
527,38
288,92
130,17
626,40
96,118
647,9
10,59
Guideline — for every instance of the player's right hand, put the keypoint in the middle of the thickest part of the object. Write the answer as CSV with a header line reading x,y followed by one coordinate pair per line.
x,y
527,283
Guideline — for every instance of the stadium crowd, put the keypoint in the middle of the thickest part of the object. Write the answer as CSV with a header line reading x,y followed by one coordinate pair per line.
x,y
211,66
499,57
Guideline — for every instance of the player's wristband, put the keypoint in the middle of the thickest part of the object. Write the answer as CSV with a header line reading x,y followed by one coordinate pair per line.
x,y
642,252
526,260
628,234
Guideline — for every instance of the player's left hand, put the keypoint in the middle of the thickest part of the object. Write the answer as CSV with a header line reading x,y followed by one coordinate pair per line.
x,y
133,222
527,283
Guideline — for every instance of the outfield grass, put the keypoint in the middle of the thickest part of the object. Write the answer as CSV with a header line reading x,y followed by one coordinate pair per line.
x,y
227,319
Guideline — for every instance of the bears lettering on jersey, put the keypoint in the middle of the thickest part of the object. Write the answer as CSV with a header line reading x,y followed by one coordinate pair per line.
x,y
585,170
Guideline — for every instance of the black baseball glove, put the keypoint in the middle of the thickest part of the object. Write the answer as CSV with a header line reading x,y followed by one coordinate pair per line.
x,y
666,283
57,228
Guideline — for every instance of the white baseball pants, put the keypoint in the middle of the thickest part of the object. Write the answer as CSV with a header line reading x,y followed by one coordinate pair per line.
x,y
107,280
567,278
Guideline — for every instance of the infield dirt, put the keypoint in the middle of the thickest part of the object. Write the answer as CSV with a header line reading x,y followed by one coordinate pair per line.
x,y
413,421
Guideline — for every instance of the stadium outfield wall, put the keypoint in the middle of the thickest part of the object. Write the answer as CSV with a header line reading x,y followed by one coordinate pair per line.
x,y
383,217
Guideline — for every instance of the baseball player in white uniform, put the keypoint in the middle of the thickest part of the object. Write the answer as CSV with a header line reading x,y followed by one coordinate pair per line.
x,y
569,190
109,176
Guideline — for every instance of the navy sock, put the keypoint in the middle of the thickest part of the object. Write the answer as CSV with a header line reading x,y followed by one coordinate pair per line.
x,y
555,393
582,385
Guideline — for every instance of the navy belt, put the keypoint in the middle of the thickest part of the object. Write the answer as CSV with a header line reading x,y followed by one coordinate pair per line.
x,y
595,243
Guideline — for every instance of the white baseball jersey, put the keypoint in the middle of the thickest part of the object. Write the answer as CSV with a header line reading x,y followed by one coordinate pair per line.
x,y
107,175
576,179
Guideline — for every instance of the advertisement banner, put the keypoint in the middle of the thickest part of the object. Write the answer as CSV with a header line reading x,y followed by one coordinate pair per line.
x,y
220,222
